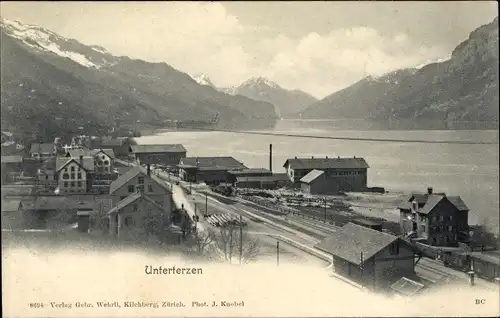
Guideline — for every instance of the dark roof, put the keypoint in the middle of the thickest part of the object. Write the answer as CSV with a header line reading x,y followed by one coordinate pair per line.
x,y
131,199
311,176
76,153
427,202
12,159
458,203
10,205
158,148
123,179
88,163
42,148
406,286
326,163
273,178
351,240
250,171
366,222
212,163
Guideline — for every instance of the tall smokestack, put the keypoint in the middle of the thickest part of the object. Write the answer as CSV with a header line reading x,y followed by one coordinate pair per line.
x,y
271,157
149,169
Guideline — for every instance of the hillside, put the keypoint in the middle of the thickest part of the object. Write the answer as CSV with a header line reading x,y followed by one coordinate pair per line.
x,y
286,102
459,92
55,86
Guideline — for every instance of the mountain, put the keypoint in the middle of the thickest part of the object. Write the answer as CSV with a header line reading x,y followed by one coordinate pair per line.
x,y
459,92
54,86
286,102
203,79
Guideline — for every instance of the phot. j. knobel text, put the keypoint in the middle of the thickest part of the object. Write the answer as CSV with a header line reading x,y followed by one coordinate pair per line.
x,y
172,270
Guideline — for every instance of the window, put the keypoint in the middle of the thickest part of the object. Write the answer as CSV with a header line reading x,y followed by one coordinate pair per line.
x,y
65,184
79,184
394,249
433,219
136,207
55,177
65,176
72,184
131,188
150,188
129,221
441,218
72,168
450,228
451,218
79,175
140,188
72,175
46,177
106,162
422,228
141,180
65,169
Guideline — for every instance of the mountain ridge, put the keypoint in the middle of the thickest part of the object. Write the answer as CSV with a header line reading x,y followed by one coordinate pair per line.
x,y
450,93
98,90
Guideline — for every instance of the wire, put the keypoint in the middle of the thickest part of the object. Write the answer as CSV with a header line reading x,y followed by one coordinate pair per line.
x,y
460,142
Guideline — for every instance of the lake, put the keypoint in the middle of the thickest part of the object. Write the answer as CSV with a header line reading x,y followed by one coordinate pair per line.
x,y
468,170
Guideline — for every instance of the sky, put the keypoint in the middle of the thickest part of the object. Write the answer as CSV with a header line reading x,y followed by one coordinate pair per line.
x,y
318,47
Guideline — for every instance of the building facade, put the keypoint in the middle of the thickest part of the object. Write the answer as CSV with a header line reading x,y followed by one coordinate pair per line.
x,y
42,151
371,258
139,179
74,175
339,174
166,155
434,219
274,181
211,170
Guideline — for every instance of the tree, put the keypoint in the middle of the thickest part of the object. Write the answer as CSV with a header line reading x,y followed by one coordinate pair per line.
x,y
227,245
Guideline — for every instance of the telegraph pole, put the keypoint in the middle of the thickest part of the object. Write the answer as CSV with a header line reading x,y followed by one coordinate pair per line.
x,y
278,253
241,237
206,204
325,209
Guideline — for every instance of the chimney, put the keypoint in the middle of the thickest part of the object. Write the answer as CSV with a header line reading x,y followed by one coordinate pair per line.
x,y
429,190
81,160
271,157
326,157
338,157
149,169
354,157
312,157
295,157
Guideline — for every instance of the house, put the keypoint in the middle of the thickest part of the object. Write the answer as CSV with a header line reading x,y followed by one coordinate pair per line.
x,y
340,174
369,257
250,172
120,146
137,216
42,151
74,175
103,158
316,182
140,179
434,219
270,182
11,165
211,170
167,155
46,176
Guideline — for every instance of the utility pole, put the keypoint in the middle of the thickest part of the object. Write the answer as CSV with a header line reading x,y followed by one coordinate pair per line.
x,y
278,253
206,204
241,238
325,209
362,267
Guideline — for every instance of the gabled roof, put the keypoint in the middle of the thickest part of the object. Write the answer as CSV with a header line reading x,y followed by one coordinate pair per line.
x,y
249,171
311,176
88,163
12,159
42,148
122,180
427,202
76,153
458,203
133,198
273,178
351,240
211,163
109,152
158,148
10,205
326,163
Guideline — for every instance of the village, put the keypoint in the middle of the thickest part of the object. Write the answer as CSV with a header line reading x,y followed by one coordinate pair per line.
x,y
113,188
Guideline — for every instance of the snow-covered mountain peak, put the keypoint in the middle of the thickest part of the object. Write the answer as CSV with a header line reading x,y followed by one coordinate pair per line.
x,y
260,81
42,39
203,79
